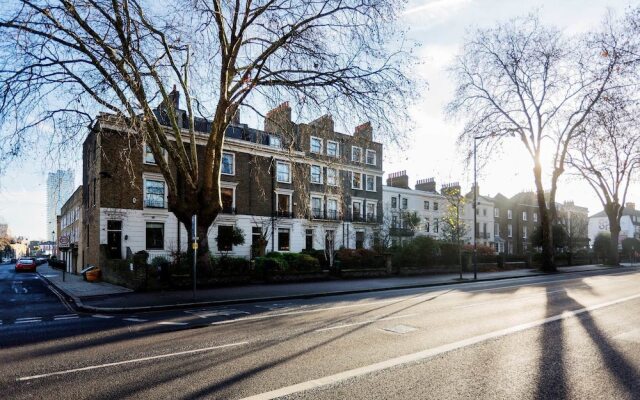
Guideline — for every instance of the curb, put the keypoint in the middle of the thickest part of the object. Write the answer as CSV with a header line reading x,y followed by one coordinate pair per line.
x,y
80,306
72,300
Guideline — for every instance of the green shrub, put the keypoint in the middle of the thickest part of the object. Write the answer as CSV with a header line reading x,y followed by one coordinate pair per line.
x,y
231,266
448,253
318,255
160,261
358,258
270,265
140,258
274,254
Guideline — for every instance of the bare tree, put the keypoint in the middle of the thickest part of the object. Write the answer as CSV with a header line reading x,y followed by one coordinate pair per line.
x,y
524,80
608,158
63,61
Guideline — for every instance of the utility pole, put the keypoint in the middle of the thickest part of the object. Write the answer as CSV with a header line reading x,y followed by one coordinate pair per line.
x,y
474,209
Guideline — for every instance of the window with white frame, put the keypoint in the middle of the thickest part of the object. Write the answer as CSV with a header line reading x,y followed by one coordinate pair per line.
x,y
524,232
394,202
316,145
275,141
370,183
148,155
333,148
426,225
332,208
332,177
356,154
283,205
524,215
228,164
154,193
356,180
535,217
496,229
316,207
155,236
509,214
435,206
227,194
405,203
509,230
436,225
283,172
316,174
496,212
371,211
426,204
283,239
371,157
356,207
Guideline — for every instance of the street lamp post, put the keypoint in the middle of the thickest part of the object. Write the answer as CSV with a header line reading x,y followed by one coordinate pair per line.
x,y
475,205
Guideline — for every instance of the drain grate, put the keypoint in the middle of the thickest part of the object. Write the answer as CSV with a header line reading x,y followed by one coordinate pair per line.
x,y
400,329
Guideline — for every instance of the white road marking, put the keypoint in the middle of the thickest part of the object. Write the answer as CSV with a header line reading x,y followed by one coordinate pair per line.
x,y
364,322
172,323
64,318
134,319
425,354
27,320
102,316
65,315
217,313
112,364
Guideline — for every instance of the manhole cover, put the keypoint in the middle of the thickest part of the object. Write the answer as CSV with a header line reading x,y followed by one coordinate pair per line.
x,y
400,329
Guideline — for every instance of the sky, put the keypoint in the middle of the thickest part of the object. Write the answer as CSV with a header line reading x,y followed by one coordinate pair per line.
x,y
439,26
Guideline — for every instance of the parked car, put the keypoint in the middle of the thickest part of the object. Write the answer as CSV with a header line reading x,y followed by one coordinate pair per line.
x,y
26,264
40,260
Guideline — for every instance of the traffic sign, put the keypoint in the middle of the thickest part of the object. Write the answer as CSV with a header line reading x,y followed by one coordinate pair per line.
x,y
64,242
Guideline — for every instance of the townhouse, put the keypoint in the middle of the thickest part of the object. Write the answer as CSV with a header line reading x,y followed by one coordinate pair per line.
x,y
401,202
299,186
629,224
71,227
484,227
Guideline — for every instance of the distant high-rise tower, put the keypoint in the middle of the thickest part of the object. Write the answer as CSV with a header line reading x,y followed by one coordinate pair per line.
x,y
59,189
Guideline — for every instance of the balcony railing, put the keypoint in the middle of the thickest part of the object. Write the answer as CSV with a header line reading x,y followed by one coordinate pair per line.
x,y
401,232
331,215
283,214
371,218
228,210
483,235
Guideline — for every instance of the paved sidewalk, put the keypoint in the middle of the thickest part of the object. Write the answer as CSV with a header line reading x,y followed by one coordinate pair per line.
x,y
104,297
76,287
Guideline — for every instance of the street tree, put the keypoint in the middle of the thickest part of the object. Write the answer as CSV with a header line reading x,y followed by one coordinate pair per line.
x,y
452,226
65,61
528,81
607,156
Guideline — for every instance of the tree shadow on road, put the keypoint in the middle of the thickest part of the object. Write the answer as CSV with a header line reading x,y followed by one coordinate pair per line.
x,y
553,381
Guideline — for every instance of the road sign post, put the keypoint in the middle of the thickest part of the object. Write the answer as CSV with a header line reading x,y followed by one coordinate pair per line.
x,y
194,246
63,245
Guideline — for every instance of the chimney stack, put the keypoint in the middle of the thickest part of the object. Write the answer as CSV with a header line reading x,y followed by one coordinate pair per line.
x,y
175,98
398,179
452,188
426,185
278,120
364,130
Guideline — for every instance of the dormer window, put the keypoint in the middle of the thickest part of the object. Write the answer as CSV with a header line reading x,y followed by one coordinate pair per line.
x,y
316,145
332,148
275,141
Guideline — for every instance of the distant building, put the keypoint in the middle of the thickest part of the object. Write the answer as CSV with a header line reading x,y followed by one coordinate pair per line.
x,y
59,189
4,230
71,226
400,202
484,226
629,224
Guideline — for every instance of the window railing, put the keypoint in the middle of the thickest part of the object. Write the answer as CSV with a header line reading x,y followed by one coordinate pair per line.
x,y
283,214
228,210
332,215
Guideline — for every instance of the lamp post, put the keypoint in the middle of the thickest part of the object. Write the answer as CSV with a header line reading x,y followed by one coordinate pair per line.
x,y
475,205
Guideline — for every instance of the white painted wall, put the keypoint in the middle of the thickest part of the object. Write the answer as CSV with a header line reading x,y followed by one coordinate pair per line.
x,y
134,229
601,224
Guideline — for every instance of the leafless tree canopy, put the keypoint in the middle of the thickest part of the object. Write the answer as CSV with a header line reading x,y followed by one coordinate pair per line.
x,y
530,82
63,61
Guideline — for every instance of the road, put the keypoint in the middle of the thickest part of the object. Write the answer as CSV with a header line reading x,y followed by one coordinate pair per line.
x,y
560,336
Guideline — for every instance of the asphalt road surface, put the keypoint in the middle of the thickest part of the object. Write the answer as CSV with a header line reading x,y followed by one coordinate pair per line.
x,y
561,336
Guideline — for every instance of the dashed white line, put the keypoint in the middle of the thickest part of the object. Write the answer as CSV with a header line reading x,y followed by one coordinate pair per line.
x,y
171,323
69,371
27,320
102,316
365,322
134,319
62,318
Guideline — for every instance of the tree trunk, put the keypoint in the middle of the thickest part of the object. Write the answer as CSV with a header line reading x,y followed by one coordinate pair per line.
x,y
614,228
548,264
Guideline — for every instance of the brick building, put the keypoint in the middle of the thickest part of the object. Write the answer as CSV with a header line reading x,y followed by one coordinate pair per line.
x,y
71,225
295,184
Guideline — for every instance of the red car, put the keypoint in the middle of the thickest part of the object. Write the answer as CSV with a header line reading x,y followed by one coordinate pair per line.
x,y
26,264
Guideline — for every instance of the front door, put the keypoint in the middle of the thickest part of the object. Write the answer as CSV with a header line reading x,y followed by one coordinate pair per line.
x,y
114,239
114,244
